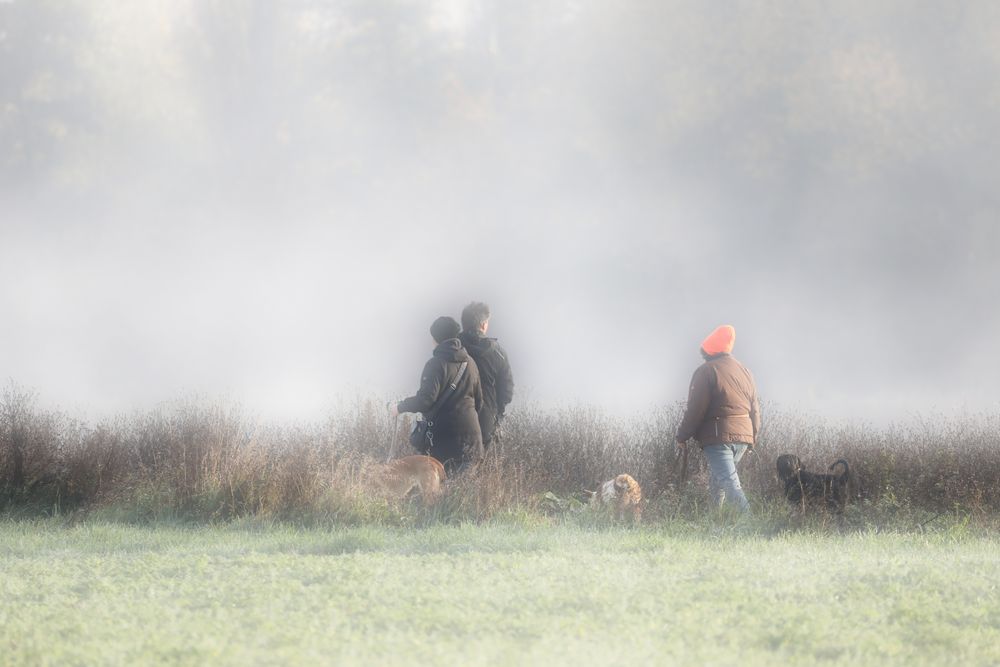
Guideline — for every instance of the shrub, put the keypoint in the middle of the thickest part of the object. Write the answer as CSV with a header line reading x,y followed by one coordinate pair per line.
x,y
208,461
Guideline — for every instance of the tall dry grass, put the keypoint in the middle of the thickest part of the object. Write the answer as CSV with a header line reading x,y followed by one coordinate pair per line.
x,y
201,460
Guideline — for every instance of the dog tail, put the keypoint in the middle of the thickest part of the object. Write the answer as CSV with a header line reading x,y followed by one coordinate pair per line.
x,y
847,468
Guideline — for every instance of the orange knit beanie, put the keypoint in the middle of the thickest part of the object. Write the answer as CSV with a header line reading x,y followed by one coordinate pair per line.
x,y
719,341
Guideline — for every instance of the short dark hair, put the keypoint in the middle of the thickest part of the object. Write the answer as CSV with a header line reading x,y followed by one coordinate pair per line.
x,y
444,328
474,315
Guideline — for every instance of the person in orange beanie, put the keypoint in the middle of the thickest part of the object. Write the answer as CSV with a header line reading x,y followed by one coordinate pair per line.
x,y
723,415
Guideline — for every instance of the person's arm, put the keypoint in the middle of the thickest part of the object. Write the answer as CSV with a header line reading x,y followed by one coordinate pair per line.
x,y
504,382
699,396
431,382
477,393
754,410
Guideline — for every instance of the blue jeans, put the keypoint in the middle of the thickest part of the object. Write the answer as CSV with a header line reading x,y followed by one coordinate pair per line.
x,y
724,482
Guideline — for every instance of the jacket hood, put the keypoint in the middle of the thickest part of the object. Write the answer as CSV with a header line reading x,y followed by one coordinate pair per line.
x,y
719,341
475,343
451,350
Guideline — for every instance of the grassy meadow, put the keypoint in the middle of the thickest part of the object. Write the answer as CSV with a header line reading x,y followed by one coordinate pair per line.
x,y
720,593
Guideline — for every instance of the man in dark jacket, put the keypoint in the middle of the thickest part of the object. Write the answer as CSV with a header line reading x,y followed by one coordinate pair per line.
x,y
723,414
494,368
457,439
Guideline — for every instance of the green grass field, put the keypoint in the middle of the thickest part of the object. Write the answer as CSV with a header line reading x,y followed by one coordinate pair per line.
x,y
494,594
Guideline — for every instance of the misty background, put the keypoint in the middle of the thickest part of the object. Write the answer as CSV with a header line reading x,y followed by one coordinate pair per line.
x,y
272,201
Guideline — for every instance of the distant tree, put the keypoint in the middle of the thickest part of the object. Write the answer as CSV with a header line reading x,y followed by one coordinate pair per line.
x,y
235,60
44,97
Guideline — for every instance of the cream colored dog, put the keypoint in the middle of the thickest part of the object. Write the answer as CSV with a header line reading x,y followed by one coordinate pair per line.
x,y
424,473
623,493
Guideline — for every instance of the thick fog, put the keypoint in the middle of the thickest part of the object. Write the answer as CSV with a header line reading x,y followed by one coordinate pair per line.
x,y
272,201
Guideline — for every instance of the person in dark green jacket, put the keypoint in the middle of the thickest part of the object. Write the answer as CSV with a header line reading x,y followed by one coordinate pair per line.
x,y
494,368
457,439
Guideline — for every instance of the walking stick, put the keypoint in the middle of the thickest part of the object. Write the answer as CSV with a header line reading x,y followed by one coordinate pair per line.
x,y
682,470
393,435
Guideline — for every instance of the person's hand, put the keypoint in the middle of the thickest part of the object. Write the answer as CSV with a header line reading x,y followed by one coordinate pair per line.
x,y
393,410
681,445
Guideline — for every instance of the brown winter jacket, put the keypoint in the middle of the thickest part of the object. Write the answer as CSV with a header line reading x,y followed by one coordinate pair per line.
x,y
722,404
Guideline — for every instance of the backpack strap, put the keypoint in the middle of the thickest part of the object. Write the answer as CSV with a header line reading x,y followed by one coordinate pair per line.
x,y
446,394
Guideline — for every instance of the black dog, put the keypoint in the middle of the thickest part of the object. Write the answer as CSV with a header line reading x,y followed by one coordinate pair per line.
x,y
801,484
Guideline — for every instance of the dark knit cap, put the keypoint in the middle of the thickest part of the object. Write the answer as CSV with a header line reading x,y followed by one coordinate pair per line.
x,y
445,328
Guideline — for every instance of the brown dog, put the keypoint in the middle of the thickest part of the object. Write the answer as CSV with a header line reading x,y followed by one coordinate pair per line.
x,y
623,493
423,473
